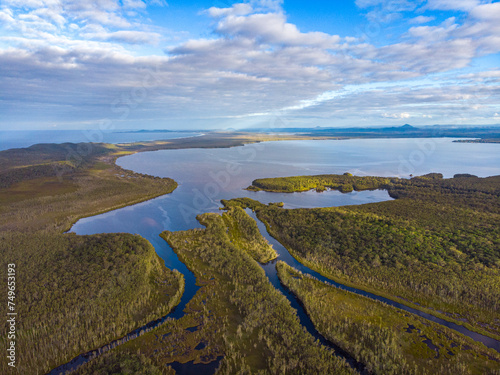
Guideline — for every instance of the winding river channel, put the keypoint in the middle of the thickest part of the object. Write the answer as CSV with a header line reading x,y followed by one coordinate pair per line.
x,y
206,176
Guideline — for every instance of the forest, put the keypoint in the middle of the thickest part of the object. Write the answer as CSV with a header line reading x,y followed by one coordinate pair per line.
x,y
76,293
387,340
435,247
44,189
238,318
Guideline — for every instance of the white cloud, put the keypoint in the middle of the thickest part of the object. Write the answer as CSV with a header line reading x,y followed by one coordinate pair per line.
x,y
6,17
489,12
51,14
422,19
134,4
434,33
384,11
273,28
463,5
240,9
368,3
123,36
404,115
78,55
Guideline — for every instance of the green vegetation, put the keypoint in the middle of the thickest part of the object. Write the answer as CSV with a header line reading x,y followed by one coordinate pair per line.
x,y
436,246
76,293
345,183
237,313
244,234
51,186
387,340
266,320
488,140
116,363
61,188
405,131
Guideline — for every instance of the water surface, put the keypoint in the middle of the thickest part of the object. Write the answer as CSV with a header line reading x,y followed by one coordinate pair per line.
x,y
206,176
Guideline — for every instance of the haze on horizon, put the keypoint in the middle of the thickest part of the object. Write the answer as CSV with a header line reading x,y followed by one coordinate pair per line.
x,y
132,64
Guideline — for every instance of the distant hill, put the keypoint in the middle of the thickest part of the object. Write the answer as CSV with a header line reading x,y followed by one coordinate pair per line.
x,y
405,131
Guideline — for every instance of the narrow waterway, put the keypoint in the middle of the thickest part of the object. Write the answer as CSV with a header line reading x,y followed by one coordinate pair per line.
x,y
150,218
285,256
270,269
166,252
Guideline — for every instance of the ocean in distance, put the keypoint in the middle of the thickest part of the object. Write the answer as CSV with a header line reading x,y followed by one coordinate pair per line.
x,y
26,138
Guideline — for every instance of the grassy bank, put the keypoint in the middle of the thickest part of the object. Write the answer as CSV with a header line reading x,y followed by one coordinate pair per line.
x,y
51,186
65,190
44,189
387,340
268,323
123,363
344,183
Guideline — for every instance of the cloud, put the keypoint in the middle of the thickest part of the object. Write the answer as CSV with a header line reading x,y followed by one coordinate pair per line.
x,y
272,28
254,64
489,12
6,17
134,4
422,19
462,5
387,10
381,12
240,9
404,115
53,15
104,12
122,36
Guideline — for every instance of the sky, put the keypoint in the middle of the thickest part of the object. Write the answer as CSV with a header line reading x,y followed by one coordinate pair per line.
x,y
201,64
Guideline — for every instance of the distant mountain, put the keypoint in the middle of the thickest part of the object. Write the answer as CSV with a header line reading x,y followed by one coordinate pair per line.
x,y
408,127
405,131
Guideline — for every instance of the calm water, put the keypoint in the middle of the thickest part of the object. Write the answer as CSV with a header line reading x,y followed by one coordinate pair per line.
x,y
206,176
19,139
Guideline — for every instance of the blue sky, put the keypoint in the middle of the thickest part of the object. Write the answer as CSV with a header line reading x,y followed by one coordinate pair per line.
x,y
69,64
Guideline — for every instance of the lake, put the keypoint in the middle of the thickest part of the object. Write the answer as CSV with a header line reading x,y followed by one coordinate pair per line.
x,y
206,176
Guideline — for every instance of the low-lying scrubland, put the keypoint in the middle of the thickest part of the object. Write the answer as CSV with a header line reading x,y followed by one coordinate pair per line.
x,y
123,363
244,233
62,191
